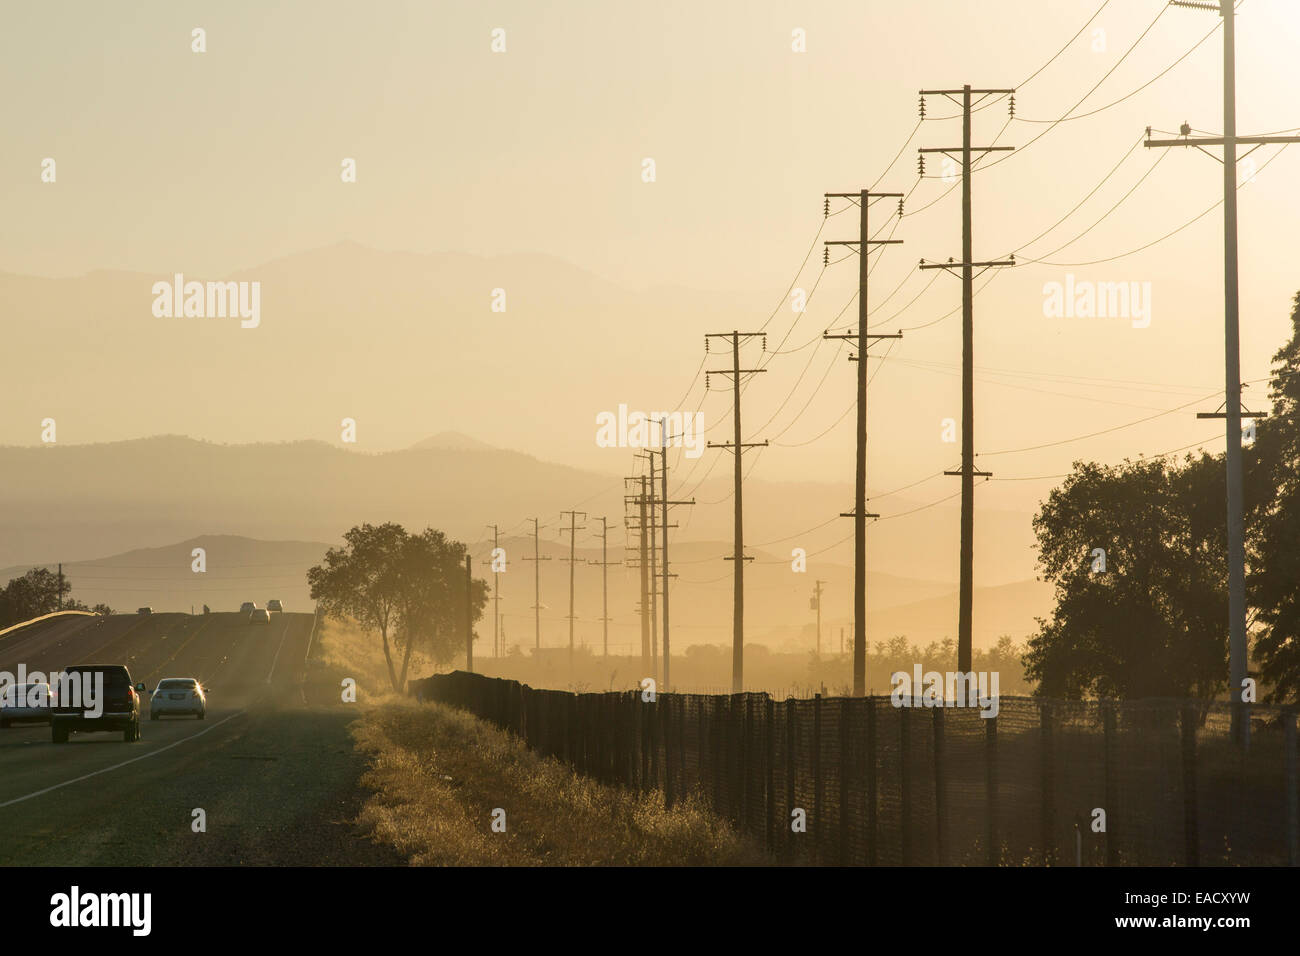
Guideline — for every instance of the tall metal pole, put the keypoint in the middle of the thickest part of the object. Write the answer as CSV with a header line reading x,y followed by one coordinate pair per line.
x,y
738,593
663,484
966,557
862,339
1232,411
965,598
469,615
738,447
1232,376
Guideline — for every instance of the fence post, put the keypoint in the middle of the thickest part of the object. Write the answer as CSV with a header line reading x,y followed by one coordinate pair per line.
x,y
654,734
718,753
769,751
1111,742
1289,741
940,797
1048,820
818,782
845,763
1191,829
905,778
668,753
790,770
871,781
746,757
991,786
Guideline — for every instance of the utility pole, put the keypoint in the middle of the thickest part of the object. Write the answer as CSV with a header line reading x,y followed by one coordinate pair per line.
x,y
469,614
496,593
816,602
967,472
644,564
864,339
572,528
654,575
60,585
537,586
1232,404
738,447
663,479
604,564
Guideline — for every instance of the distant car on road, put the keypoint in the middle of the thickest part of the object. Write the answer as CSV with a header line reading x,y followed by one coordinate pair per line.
x,y
144,610
248,607
117,709
25,702
259,615
275,605
178,695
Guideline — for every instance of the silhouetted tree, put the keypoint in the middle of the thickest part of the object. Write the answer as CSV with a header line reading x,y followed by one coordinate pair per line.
x,y
410,590
1273,498
1154,622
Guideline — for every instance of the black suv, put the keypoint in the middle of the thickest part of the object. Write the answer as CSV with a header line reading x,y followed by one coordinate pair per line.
x,y
117,709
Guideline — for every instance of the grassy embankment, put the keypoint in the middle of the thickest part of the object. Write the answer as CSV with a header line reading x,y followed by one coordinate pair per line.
x,y
437,774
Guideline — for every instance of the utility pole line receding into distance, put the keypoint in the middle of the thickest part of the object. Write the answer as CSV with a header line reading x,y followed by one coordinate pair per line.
x,y
967,265
572,529
537,586
604,564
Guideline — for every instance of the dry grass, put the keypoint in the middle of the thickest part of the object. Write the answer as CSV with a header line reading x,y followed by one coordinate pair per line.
x,y
439,773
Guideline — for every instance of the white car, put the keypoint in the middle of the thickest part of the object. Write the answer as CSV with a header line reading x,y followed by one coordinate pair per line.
x,y
24,702
178,695
275,605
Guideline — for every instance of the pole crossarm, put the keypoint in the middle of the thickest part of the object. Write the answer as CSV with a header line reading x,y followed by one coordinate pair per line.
x,y
978,474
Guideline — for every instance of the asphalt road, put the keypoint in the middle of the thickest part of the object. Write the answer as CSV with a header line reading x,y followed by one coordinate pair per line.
x,y
271,766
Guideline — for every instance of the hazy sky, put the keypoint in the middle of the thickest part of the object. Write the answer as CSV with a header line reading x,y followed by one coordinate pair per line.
x,y
218,162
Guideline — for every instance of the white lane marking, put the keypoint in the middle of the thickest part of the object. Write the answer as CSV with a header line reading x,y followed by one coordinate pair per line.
x,y
116,766
283,633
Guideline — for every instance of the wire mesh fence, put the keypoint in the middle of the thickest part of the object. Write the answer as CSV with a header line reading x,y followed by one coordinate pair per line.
x,y
859,781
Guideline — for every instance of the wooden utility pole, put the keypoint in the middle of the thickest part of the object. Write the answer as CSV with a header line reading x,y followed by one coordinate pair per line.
x,y
863,338
604,582
572,529
469,614
537,585
644,564
816,602
663,500
967,472
738,447
654,576
496,592
1231,409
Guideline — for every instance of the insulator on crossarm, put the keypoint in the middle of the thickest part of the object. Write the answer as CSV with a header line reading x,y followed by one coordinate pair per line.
x,y
826,256
706,352
900,207
826,207
1011,105
920,164
922,107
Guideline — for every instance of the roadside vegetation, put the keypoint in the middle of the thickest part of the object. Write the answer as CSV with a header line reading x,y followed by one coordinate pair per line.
x,y
439,773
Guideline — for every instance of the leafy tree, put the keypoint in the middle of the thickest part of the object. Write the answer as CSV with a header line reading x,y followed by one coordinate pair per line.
x,y
1153,623
35,593
1272,490
408,589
